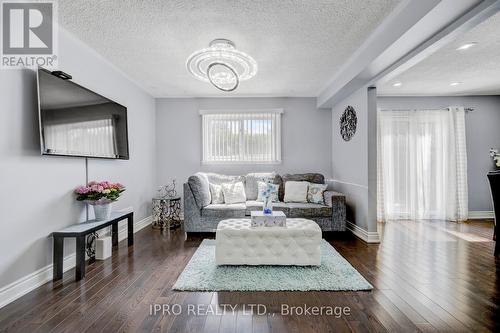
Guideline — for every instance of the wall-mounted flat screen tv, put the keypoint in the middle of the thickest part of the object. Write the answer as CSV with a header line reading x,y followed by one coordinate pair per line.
x,y
75,121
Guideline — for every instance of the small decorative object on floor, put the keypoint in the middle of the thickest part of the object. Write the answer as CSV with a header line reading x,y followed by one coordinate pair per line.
x,y
100,195
103,248
261,219
166,212
495,156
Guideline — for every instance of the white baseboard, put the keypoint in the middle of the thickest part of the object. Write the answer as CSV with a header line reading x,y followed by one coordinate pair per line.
x,y
481,214
27,283
367,236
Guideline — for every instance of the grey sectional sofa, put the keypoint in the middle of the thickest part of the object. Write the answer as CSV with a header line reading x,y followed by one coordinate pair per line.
x,y
200,215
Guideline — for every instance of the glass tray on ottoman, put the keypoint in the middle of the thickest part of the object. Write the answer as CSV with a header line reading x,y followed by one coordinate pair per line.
x,y
276,219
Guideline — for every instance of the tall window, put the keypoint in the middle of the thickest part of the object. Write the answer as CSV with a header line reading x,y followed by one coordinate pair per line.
x,y
241,137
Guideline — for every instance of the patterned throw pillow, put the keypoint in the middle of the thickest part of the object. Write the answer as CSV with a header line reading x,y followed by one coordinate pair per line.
x,y
216,193
315,193
263,187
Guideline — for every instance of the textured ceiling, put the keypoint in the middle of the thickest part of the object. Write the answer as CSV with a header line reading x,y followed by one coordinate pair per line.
x,y
478,68
298,45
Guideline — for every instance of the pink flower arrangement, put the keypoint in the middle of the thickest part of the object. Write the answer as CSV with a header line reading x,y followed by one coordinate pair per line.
x,y
99,191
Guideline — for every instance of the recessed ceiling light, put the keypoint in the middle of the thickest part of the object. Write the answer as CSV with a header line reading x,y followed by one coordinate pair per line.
x,y
397,84
455,83
466,46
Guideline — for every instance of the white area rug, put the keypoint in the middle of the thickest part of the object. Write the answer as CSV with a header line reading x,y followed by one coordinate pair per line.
x,y
335,273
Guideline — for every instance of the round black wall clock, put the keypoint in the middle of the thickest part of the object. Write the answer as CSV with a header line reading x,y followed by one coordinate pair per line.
x,y
348,123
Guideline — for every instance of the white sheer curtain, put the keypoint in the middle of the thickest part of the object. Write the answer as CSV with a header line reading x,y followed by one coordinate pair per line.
x,y
422,165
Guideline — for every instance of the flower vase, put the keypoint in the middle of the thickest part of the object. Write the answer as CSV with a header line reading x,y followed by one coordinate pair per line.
x,y
102,211
267,208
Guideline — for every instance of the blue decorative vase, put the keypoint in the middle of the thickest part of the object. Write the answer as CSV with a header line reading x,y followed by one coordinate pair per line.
x,y
267,208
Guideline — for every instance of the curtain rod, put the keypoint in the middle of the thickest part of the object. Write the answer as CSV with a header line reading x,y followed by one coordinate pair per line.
x,y
469,109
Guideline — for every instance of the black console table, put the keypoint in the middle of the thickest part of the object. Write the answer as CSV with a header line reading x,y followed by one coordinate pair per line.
x,y
494,178
80,231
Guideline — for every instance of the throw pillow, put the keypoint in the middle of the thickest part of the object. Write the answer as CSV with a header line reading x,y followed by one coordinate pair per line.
x,y
296,191
216,193
234,192
262,187
251,180
315,193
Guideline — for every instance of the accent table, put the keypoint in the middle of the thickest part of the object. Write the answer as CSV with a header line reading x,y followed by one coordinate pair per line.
x,y
80,231
166,212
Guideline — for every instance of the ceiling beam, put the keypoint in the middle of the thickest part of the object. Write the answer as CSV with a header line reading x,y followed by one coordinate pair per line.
x,y
469,20
411,25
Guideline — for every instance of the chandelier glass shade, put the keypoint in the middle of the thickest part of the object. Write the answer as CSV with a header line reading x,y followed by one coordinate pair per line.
x,y
222,65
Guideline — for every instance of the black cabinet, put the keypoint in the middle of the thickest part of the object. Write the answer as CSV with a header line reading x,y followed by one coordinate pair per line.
x,y
494,178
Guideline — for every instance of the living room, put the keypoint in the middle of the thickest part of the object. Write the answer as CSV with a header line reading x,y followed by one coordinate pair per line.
x,y
243,182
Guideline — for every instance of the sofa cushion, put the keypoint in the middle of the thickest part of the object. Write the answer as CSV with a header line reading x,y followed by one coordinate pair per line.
x,y
253,205
306,210
224,211
201,189
316,178
251,179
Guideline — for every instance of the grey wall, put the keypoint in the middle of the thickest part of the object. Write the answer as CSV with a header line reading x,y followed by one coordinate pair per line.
x,y
36,196
481,131
353,162
306,136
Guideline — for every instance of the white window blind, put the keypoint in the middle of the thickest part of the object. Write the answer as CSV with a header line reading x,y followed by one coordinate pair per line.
x,y
241,137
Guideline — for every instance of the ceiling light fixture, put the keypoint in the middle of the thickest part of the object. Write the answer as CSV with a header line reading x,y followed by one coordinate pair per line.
x,y
222,65
397,84
455,83
466,46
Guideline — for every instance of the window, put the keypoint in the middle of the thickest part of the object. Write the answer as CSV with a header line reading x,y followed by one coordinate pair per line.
x,y
241,137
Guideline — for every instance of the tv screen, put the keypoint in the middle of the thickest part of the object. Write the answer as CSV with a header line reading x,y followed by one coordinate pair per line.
x,y
75,121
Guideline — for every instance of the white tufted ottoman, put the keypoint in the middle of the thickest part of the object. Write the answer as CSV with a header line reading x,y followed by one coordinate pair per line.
x,y
237,243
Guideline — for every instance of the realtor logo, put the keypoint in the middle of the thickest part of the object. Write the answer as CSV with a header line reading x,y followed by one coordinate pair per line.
x,y
28,34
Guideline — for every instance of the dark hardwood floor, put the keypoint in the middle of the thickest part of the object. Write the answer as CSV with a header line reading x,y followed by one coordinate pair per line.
x,y
428,276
